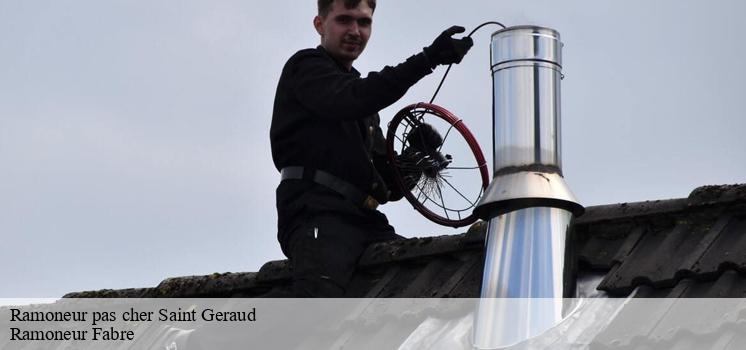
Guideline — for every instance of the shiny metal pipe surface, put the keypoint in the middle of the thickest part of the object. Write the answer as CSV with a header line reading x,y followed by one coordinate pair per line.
x,y
526,75
525,189
524,275
528,205
525,254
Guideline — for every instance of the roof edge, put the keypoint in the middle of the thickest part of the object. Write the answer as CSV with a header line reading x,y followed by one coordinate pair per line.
x,y
700,197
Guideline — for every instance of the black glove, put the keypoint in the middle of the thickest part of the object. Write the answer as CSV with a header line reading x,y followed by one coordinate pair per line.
x,y
447,50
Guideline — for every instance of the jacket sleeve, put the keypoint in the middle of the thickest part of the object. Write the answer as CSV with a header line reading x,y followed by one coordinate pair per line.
x,y
330,93
383,166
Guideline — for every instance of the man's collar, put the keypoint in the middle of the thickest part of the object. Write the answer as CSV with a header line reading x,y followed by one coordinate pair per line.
x,y
342,67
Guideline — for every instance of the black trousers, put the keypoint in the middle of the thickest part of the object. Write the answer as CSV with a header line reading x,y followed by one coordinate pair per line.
x,y
324,251
324,234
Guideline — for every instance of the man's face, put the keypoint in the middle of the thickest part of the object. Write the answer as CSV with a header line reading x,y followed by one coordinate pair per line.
x,y
345,32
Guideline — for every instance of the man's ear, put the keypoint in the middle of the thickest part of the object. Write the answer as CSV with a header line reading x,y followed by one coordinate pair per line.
x,y
318,23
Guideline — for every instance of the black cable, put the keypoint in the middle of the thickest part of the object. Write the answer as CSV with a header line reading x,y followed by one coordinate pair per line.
x,y
484,24
449,66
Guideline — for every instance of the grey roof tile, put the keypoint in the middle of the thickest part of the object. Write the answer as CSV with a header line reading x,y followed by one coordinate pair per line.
x,y
728,249
700,239
729,284
675,323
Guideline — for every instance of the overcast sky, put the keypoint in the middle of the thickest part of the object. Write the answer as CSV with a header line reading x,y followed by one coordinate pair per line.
x,y
134,135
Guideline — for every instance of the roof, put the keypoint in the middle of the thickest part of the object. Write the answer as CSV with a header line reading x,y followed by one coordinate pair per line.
x,y
688,247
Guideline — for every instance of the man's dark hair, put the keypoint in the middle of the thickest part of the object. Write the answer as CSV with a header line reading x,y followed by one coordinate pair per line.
x,y
325,6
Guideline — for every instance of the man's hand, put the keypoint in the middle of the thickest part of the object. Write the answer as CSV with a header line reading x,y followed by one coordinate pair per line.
x,y
447,50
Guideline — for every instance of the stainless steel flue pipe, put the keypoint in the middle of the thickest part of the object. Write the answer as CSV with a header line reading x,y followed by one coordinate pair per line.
x,y
528,206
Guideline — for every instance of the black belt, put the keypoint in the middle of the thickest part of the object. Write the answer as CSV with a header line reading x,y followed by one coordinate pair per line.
x,y
332,182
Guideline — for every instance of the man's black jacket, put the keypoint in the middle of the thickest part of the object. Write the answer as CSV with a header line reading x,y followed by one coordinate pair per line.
x,y
326,118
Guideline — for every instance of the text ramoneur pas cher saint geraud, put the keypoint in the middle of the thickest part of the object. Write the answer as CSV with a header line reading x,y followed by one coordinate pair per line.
x,y
163,315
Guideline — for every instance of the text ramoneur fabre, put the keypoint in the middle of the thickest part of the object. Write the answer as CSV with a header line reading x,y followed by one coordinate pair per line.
x,y
97,318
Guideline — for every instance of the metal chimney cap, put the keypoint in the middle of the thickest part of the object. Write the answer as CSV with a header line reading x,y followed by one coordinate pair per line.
x,y
527,189
511,44
533,28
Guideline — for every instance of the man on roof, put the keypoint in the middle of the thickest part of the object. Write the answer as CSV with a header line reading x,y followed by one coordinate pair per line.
x,y
329,148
